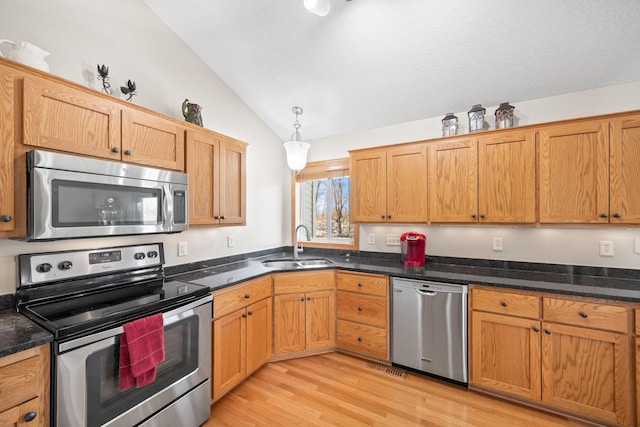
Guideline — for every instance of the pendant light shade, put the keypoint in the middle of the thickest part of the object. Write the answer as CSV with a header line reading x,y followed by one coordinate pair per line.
x,y
296,149
318,7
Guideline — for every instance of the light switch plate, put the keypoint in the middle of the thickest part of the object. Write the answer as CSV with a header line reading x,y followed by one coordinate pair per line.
x,y
182,248
231,241
636,245
371,238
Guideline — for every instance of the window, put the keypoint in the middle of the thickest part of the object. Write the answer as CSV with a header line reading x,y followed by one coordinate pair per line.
x,y
321,202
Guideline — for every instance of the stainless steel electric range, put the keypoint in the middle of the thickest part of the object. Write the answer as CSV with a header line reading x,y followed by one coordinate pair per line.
x,y
84,298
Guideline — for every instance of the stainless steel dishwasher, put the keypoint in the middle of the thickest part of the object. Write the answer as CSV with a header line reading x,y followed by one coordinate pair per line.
x,y
429,327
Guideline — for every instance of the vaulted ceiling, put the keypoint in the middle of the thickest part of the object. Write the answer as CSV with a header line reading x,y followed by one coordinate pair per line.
x,y
372,63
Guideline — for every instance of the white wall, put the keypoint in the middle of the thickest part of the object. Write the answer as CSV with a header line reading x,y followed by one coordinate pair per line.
x,y
562,245
126,36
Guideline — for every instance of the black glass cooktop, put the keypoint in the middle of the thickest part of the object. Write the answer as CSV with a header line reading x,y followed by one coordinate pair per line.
x,y
82,314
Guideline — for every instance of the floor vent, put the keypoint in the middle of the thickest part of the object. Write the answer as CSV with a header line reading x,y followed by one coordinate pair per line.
x,y
389,370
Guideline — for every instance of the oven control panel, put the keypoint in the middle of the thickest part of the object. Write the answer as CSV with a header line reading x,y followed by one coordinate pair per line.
x,y
46,267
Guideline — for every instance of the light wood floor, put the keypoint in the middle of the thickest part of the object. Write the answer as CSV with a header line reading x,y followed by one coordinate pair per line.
x,y
339,390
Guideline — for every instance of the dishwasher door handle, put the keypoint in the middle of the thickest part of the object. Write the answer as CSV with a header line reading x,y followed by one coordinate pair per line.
x,y
428,293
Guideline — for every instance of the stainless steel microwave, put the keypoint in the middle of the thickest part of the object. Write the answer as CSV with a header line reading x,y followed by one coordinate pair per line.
x,y
73,197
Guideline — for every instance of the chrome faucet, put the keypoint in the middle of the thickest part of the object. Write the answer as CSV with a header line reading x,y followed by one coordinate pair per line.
x,y
295,239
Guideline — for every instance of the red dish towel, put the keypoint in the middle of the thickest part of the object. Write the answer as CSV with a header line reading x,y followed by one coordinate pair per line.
x,y
141,351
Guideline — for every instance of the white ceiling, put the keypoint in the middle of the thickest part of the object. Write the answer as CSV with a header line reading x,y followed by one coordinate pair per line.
x,y
372,63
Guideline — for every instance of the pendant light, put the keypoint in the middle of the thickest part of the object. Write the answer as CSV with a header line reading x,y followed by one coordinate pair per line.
x,y
318,7
296,149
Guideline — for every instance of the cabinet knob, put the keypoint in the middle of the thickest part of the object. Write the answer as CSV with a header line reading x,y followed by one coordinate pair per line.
x,y
388,216
473,216
481,216
584,315
547,331
244,316
116,149
302,299
247,296
604,215
536,329
616,215
216,217
222,217
308,298
359,308
382,216
359,339
250,313
6,218
503,303
359,284
127,152
30,416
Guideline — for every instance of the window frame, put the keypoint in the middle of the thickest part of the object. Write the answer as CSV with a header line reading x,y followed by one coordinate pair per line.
x,y
320,170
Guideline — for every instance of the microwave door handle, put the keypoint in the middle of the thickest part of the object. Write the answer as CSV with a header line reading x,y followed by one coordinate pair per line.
x,y
167,213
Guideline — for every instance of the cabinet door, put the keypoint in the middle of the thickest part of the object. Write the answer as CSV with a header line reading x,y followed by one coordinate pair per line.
x,y
7,144
320,319
587,371
625,170
15,417
407,184
259,333
506,176
368,171
453,181
229,352
232,190
574,173
203,151
152,140
505,354
63,118
289,323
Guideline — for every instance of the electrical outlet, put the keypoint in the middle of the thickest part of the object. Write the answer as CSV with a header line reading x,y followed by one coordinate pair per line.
x,y
371,239
182,248
393,240
231,241
636,245
498,244
606,248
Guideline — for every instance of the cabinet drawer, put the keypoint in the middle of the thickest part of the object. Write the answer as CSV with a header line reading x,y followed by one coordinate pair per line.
x,y
229,300
362,339
505,303
362,308
19,382
592,315
373,284
304,281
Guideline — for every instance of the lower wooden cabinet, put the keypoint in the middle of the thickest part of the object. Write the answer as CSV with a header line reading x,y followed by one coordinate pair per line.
x,y
572,357
242,339
304,321
24,388
304,311
363,314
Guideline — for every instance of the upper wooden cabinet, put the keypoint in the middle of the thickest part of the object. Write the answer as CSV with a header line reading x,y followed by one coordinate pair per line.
x,y
61,117
390,184
453,181
7,147
217,186
574,173
624,167
488,180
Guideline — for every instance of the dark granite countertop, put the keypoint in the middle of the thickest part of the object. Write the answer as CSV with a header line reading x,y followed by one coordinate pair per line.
x,y
619,284
18,333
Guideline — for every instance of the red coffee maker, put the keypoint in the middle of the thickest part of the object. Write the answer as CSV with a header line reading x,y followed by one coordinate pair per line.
x,y
413,249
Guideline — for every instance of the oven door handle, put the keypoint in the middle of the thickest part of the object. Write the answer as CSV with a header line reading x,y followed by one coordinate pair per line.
x,y
169,318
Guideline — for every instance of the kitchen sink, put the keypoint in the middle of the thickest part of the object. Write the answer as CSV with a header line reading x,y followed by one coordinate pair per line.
x,y
290,263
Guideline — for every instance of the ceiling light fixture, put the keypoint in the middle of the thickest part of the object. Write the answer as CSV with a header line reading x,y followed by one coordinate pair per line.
x,y
296,149
318,7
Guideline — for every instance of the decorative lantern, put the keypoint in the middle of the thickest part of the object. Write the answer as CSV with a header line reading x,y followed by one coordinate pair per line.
x,y
449,125
504,116
476,118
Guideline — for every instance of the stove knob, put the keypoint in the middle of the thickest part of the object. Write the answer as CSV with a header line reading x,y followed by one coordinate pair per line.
x,y
139,255
43,268
152,254
65,265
